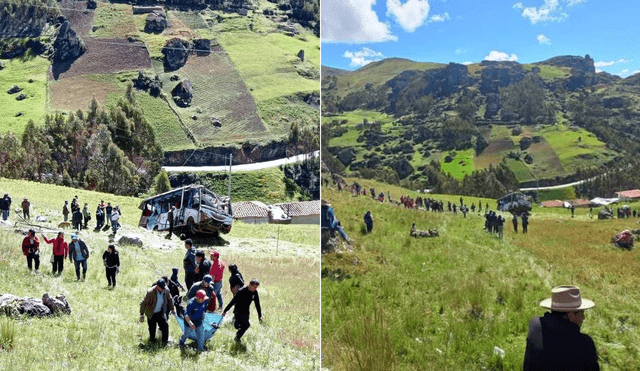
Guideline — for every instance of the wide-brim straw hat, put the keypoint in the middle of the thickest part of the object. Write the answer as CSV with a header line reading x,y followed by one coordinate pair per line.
x,y
566,299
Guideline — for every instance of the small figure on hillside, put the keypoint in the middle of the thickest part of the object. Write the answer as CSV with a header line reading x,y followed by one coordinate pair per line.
x,y
554,340
108,210
473,208
525,222
368,221
111,260
155,305
515,223
193,317
479,206
207,285
75,204
461,202
79,254
77,219
26,205
174,278
486,206
5,206
60,252
86,215
203,266
31,249
115,221
464,210
65,211
500,226
99,217
170,216
189,263
573,209
328,220
455,209
217,271
242,302
236,281
591,212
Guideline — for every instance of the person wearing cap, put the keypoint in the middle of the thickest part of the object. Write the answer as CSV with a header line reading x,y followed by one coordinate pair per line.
x,y
25,208
554,341
111,260
155,305
189,263
78,254
203,266
60,252
193,317
5,206
217,271
242,302
31,249
207,286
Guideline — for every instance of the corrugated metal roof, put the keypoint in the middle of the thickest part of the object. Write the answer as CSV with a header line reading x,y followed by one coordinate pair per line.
x,y
302,208
248,209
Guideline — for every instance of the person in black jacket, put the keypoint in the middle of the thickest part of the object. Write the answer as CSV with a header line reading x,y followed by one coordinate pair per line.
x,y
554,341
235,281
203,266
111,260
242,302
79,254
189,263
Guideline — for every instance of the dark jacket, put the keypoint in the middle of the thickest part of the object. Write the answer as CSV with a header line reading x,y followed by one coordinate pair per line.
x,y
83,248
555,343
111,260
205,267
236,280
198,286
243,300
189,262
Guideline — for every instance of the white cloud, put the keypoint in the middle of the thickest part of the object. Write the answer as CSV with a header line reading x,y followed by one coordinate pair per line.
x,y
410,15
549,11
468,63
440,17
352,22
543,39
460,51
495,55
600,64
362,57
624,72
634,72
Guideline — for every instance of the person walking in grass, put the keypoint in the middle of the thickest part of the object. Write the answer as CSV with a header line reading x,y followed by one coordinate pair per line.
x,y
65,211
155,305
189,263
368,221
108,210
86,214
554,341
515,223
79,254
193,317
60,252
525,222
26,205
77,219
217,271
5,206
111,260
31,249
99,217
115,221
236,281
242,302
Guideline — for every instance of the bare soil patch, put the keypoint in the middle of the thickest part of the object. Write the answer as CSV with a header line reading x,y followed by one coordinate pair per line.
x,y
491,154
76,92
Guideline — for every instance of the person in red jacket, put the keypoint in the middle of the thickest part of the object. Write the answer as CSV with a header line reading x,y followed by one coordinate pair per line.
x,y
60,252
30,249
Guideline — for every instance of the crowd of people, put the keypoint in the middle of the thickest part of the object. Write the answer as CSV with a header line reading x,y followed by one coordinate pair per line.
x,y
106,215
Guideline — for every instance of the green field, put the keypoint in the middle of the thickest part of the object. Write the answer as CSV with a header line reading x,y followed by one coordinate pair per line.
x,y
348,139
113,21
461,165
549,72
165,123
399,303
19,72
576,147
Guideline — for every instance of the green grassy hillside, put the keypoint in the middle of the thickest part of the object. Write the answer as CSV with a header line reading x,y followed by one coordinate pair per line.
x,y
102,331
401,303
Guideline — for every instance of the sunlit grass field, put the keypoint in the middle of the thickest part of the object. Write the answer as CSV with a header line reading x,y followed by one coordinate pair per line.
x,y
399,303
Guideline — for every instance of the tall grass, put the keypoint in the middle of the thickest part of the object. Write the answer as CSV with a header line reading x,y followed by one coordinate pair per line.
x,y
446,302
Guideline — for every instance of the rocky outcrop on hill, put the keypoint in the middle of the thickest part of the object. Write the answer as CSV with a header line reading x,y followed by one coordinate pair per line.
x,y
176,52
183,93
14,89
402,167
496,75
12,306
493,105
575,62
202,47
68,45
156,22
215,156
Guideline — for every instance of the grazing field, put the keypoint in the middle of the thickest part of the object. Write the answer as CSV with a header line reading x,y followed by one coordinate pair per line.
x,y
166,125
20,72
113,21
76,92
102,331
462,164
401,303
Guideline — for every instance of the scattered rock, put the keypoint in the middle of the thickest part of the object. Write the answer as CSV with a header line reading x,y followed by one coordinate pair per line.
x,y
216,122
202,46
183,93
92,4
1,66
269,11
126,240
68,46
243,12
19,114
194,117
285,6
176,52
12,306
95,28
59,304
174,78
14,89
301,55
30,81
156,22
21,96
13,50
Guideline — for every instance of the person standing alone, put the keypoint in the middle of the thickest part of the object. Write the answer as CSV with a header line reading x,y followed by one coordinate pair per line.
x,y
111,260
31,249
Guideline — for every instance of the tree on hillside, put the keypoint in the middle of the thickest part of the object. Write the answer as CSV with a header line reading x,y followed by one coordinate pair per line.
x,y
12,157
526,101
38,158
162,183
109,170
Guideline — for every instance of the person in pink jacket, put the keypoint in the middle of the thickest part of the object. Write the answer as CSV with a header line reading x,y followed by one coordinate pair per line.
x,y
60,252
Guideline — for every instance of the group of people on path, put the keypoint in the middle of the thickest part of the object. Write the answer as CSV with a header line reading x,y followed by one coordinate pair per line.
x,y
203,280
105,215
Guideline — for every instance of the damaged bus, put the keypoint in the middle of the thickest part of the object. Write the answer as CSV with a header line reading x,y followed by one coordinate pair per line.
x,y
197,211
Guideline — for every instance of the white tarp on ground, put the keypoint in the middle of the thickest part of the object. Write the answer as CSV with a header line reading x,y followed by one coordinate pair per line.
x,y
603,201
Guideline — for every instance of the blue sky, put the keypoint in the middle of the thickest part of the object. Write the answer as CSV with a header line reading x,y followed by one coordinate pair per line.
x,y
357,32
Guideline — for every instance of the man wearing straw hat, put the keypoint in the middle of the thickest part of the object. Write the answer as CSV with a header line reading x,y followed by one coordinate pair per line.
x,y
554,341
